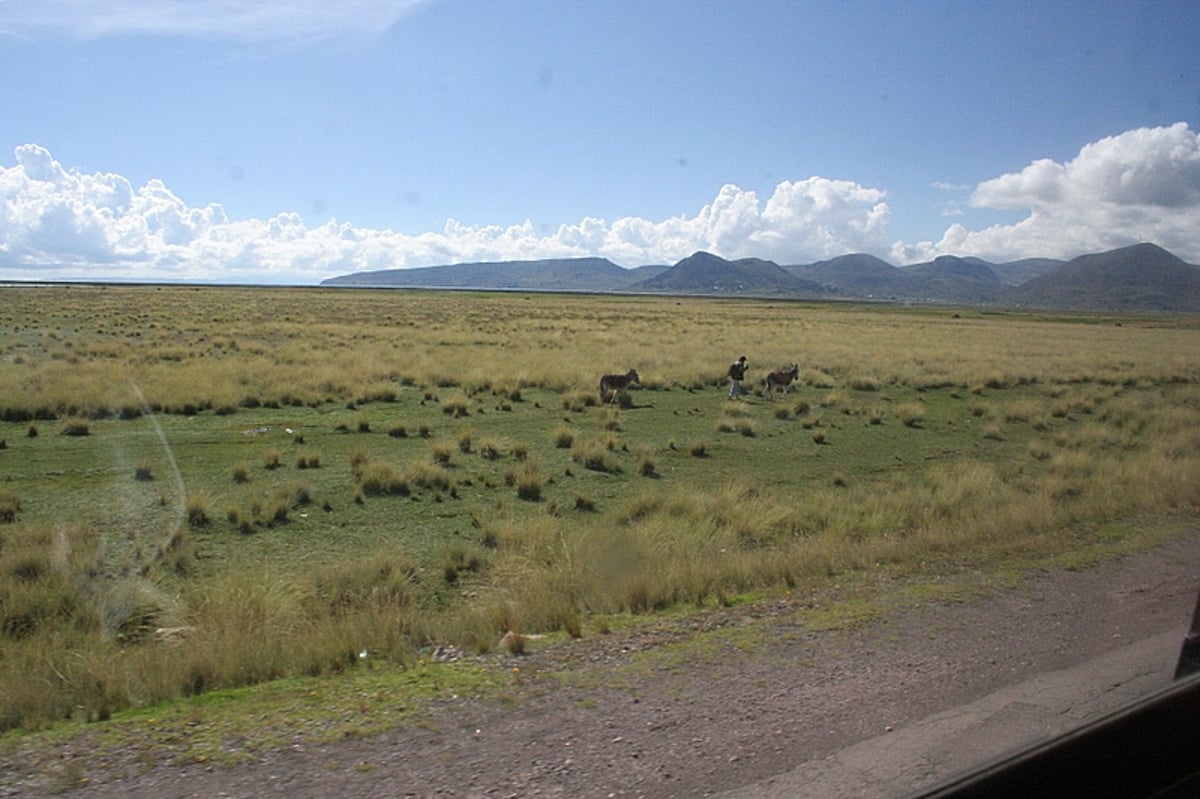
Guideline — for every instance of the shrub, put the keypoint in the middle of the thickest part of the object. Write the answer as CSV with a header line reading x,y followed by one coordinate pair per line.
x,y
143,472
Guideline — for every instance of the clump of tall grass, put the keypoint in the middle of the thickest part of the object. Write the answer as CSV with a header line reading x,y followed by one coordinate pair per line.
x,y
577,400
491,449
241,472
10,506
457,558
647,466
196,511
818,378
276,506
864,383
527,479
442,452
429,476
380,580
75,427
743,427
910,414
398,430
610,419
595,453
981,410
378,478
457,406
563,437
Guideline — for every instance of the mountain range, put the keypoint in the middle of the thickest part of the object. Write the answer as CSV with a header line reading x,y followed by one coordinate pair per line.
x,y
1139,278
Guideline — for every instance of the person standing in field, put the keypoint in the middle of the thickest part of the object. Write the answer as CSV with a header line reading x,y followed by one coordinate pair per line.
x,y
737,373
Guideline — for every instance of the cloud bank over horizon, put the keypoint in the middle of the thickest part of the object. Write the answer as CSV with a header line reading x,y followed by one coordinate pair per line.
x,y
64,224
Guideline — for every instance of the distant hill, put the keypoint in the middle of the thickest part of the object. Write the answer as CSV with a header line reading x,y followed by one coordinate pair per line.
x,y
1014,273
705,273
1144,277
566,274
855,275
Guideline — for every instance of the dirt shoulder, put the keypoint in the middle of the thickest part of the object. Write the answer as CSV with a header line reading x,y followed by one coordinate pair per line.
x,y
679,712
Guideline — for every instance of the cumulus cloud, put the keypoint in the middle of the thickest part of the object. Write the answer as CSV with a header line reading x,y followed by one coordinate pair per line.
x,y
236,20
59,224
1141,185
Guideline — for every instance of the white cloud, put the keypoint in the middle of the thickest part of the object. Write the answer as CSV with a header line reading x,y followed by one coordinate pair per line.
x,y
60,224
1142,185
237,20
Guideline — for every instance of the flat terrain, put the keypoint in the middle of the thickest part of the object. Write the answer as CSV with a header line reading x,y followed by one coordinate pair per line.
x,y
691,708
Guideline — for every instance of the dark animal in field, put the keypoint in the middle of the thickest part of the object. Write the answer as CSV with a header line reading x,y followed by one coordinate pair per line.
x,y
612,385
781,378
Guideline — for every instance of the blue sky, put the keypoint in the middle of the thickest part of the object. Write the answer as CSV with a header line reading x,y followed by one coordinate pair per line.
x,y
294,140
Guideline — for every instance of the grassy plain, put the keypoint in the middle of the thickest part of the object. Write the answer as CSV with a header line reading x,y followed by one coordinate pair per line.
x,y
204,488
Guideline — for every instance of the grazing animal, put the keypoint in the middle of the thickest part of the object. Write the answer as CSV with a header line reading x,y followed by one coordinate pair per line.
x,y
613,385
781,378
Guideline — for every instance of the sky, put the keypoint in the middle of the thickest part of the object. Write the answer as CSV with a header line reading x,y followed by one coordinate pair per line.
x,y
288,141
